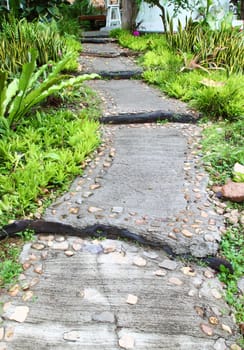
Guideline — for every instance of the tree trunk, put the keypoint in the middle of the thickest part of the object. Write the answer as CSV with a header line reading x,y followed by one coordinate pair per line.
x,y
129,13
242,9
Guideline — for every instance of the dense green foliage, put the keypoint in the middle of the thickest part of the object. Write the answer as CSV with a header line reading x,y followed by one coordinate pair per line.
x,y
17,38
223,147
31,88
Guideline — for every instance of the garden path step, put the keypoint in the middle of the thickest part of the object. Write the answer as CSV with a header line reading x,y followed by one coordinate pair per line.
x,y
112,295
134,101
146,180
110,67
109,49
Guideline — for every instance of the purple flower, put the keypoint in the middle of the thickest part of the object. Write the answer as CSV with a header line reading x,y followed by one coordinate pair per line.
x,y
136,33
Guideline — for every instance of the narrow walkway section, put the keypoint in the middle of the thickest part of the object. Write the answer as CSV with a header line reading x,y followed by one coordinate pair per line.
x,y
146,179
95,294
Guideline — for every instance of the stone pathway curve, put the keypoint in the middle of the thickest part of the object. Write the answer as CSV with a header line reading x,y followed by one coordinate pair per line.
x,y
111,294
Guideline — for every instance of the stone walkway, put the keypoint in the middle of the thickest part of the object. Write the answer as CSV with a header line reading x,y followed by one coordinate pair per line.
x,y
111,294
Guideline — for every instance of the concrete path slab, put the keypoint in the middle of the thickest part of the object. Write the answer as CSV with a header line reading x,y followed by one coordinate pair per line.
x,y
133,97
108,66
146,179
112,295
111,49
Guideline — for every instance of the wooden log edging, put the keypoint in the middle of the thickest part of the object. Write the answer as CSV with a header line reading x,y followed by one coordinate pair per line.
x,y
106,231
149,117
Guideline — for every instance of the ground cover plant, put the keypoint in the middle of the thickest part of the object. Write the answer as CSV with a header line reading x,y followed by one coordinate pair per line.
x,y
39,159
192,65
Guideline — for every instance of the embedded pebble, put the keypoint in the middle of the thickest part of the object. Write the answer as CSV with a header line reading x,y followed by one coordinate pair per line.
x,y
20,313
150,255
109,249
138,261
76,246
79,201
105,316
192,292
59,238
216,293
188,271
38,246
60,245
33,257
9,334
176,281
208,274
172,236
209,238
26,266
132,299
127,342
117,210
44,255
71,336
213,320
197,282
168,264
33,282
226,328
94,186
87,194
74,210
46,237
14,290
160,273
206,329
220,344
94,209
38,269
187,233
27,295
69,253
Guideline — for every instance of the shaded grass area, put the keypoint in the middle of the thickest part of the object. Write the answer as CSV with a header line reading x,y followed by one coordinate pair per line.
x,y
40,159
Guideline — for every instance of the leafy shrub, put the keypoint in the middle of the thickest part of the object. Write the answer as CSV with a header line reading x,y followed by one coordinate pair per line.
x,y
19,37
223,102
221,48
18,97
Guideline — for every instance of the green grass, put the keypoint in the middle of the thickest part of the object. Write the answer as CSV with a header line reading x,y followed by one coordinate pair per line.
x,y
232,246
10,267
223,147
